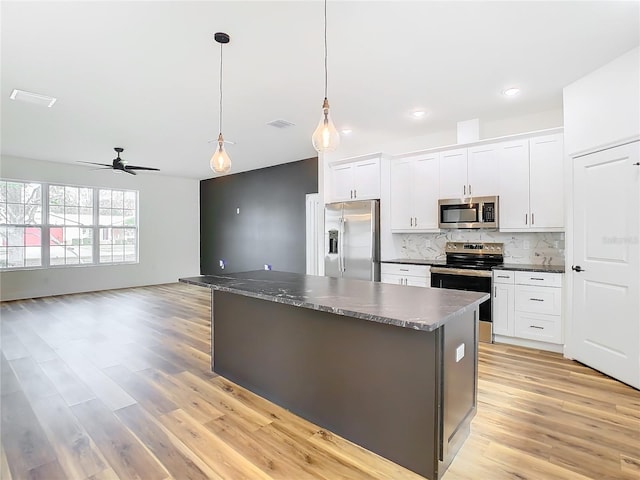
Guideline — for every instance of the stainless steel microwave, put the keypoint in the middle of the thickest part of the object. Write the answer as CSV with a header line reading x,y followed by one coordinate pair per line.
x,y
477,212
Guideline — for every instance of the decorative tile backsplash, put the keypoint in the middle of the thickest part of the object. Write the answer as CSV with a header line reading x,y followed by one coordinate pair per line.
x,y
529,248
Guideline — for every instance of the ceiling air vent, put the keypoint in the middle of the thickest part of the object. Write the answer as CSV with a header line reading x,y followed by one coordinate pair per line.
x,y
30,97
280,124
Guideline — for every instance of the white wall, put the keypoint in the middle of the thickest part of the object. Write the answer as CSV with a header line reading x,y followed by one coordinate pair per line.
x,y
603,108
169,232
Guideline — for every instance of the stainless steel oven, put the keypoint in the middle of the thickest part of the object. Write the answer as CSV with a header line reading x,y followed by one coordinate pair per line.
x,y
468,267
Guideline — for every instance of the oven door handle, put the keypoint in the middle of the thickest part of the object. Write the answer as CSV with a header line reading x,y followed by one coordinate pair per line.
x,y
466,272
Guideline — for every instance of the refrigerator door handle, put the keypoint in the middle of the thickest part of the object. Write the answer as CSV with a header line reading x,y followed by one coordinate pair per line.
x,y
341,258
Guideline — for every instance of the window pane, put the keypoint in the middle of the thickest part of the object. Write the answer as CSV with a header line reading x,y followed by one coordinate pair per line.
x,y
56,195
3,191
105,216
86,234
71,215
105,198
130,200
72,236
15,213
56,255
15,192
15,257
15,236
33,256
130,218
117,199
56,236
33,214
86,254
56,215
3,213
3,237
117,236
130,253
118,253
71,196
105,253
3,257
86,197
86,216
33,236
117,218
33,193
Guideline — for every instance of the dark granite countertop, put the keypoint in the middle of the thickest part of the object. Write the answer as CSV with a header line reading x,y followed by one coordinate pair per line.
x,y
409,261
521,267
417,308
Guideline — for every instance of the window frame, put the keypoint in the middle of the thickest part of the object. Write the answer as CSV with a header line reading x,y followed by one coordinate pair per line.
x,y
96,227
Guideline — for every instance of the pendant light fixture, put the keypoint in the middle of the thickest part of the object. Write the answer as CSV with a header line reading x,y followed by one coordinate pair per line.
x,y
220,161
326,137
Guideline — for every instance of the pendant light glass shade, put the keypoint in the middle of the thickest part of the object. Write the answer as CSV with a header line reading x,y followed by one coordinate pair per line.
x,y
220,161
326,137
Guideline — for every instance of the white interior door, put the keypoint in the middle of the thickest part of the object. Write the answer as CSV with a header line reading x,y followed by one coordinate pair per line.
x,y
605,330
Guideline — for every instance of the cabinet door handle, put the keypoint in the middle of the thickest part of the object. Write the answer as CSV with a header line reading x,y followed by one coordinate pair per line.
x,y
536,299
526,218
355,193
464,189
533,220
503,276
536,326
495,292
404,269
469,189
536,278
415,221
411,221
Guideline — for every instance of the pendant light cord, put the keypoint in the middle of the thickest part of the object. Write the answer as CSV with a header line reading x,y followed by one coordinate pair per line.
x,y
220,119
325,49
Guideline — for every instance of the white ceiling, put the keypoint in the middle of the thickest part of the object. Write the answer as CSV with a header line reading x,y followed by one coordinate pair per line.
x,y
144,75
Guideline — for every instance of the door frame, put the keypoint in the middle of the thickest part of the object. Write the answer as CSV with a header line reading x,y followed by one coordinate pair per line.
x,y
567,307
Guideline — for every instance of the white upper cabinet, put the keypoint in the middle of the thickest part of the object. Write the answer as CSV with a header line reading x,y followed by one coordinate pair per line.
x,y
468,172
546,183
355,180
531,184
482,169
453,173
414,193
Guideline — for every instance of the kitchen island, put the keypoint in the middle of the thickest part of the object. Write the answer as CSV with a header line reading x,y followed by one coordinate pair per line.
x,y
391,368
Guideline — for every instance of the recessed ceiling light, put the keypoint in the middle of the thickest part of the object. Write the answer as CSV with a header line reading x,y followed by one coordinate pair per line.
x,y
418,113
346,131
511,92
31,97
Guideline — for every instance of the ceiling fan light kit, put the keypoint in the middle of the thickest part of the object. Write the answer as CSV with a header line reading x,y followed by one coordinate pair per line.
x,y
220,161
326,137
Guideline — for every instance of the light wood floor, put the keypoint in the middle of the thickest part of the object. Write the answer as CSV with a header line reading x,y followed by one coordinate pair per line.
x,y
117,385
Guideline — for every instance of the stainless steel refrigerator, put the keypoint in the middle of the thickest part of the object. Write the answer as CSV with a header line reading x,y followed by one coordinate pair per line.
x,y
352,240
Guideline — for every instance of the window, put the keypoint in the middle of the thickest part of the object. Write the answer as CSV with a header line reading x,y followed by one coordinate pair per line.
x,y
20,224
45,225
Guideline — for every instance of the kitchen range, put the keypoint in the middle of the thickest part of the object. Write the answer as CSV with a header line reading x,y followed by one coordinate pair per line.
x,y
468,267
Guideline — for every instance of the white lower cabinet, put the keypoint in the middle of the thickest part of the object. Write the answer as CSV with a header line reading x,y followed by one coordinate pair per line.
x,y
403,274
528,306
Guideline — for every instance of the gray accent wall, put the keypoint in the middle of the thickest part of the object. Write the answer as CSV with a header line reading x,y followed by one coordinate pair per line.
x,y
270,226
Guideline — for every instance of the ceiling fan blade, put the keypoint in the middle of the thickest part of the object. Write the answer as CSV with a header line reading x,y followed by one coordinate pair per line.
x,y
126,170
135,167
94,163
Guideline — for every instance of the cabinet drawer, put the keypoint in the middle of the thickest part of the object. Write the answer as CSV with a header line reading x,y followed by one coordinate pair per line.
x,y
546,300
402,269
535,326
543,279
504,276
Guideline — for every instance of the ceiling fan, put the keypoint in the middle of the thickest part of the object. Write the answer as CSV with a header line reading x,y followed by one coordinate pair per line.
x,y
121,165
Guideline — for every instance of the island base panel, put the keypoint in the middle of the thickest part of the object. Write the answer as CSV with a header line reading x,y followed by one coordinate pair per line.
x,y
374,384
